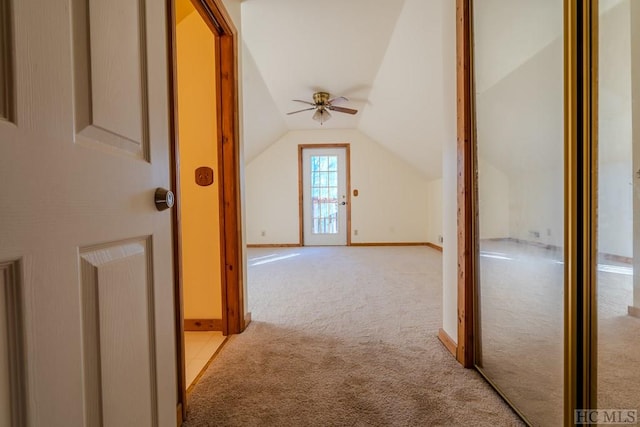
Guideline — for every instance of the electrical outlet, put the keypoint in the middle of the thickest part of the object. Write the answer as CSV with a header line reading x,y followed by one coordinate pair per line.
x,y
263,233
355,232
440,239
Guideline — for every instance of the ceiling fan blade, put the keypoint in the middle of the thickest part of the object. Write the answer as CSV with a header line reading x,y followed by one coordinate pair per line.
x,y
342,109
304,102
300,111
338,98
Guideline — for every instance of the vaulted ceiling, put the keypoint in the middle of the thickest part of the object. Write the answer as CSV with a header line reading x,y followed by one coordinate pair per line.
x,y
386,56
390,58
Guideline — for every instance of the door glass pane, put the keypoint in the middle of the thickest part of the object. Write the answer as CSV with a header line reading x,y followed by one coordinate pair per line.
x,y
518,53
618,284
324,193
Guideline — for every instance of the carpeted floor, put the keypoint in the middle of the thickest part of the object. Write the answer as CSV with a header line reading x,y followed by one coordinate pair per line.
x,y
343,337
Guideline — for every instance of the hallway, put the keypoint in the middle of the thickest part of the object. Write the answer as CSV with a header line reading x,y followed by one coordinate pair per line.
x,y
343,336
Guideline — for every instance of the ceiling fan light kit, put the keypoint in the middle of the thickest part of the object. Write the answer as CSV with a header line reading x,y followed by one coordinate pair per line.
x,y
322,103
321,115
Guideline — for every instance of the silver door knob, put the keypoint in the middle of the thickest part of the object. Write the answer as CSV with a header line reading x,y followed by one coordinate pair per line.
x,y
164,199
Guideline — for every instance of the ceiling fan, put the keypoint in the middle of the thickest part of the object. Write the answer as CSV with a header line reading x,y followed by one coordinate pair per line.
x,y
322,104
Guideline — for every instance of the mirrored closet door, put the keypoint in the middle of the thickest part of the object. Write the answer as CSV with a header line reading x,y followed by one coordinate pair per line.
x,y
528,284
618,278
519,102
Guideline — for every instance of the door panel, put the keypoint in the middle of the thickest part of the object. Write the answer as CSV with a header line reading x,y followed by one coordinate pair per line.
x,y
77,169
117,324
325,196
110,50
12,397
6,65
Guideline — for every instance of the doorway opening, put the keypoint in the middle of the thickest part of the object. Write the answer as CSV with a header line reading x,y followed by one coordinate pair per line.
x,y
208,256
324,187
198,188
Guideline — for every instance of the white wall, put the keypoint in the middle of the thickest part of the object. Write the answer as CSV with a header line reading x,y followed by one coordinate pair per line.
x,y
434,204
493,195
449,174
615,208
536,205
392,205
202,293
635,88
407,90
615,173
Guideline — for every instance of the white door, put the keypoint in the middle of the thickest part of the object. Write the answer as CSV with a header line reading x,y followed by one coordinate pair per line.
x,y
324,172
85,258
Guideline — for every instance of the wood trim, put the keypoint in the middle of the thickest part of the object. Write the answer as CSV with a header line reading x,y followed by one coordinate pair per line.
x,y
446,340
466,166
434,246
179,417
348,165
275,245
247,320
216,17
221,24
391,244
300,198
199,325
347,160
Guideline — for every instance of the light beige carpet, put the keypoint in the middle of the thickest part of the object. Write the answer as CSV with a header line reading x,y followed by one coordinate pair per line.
x,y
343,337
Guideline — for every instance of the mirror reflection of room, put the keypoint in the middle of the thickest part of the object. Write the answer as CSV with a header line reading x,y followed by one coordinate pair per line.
x,y
618,286
518,54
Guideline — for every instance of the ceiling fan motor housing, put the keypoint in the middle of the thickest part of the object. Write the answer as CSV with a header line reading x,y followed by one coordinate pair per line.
x,y
321,98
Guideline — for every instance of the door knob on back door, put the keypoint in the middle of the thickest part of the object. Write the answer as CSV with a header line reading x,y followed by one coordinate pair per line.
x,y
343,203
164,199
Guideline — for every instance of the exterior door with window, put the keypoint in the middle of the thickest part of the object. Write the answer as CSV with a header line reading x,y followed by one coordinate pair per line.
x,y
325,196
87,334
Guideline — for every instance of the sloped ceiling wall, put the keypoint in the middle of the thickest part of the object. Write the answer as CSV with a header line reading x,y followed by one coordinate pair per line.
x,y
362,49
405,109
519,84
263,122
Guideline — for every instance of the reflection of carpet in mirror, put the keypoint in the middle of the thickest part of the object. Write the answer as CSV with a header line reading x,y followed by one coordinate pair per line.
x,y
522,330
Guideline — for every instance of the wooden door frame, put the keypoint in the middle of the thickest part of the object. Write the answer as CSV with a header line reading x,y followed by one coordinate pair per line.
x,y
234,318
347,149
467,206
